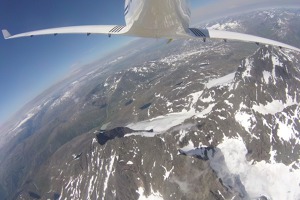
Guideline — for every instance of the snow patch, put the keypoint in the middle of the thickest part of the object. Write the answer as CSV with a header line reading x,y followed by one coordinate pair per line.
x,y
276,61
108,169
152,196
225,26
220,81
275,181
163,123
267,75
28,117
167,173
190,146
66,96
285,132
173,59
245,120
129,163
273,107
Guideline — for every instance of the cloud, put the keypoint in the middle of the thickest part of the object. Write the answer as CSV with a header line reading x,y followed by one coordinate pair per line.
x,y
222,8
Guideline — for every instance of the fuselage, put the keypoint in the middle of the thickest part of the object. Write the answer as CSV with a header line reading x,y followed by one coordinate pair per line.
x,y
157,18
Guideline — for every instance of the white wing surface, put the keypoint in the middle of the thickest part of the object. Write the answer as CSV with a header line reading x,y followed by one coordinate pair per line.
x,y
94,29
124,30
227,35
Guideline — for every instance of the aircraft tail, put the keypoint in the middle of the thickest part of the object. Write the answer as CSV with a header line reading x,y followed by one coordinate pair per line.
x,y
6,34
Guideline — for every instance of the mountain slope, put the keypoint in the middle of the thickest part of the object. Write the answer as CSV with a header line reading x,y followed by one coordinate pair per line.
x,y
258,104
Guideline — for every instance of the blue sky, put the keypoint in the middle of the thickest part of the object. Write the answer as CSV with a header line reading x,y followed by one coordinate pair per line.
x,y
30,65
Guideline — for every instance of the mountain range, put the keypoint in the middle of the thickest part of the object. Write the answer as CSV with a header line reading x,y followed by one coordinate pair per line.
x,y
185,120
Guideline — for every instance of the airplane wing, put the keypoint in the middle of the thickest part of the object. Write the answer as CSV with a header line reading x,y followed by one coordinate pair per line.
x,y
118,30
93,29
227,35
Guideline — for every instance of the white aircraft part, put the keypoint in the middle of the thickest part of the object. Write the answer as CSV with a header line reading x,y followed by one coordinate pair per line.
x,y
132,10
96,29
227,35
158,18
154,19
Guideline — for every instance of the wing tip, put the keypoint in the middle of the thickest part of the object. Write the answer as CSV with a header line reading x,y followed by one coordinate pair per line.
x,y
6,34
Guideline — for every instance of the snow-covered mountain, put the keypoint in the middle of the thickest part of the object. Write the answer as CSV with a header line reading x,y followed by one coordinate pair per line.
x,y
188,120
248,119
278,24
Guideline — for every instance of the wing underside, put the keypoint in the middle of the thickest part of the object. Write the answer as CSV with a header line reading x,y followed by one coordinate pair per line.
x,y
96,29
227,35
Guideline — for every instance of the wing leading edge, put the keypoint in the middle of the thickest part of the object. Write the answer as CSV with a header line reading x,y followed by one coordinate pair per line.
x,y
125,30
227,35
96,29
